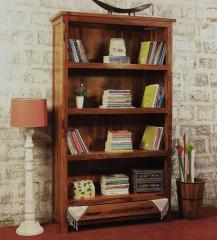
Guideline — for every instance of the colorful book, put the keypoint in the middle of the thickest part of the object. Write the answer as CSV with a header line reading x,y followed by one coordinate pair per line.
x,y
150,95
144,50
149,137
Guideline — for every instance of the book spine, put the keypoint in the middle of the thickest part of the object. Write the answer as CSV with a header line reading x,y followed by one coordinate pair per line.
x,y
77,50
82,51
153,49
162,56
76,141
74,52
85,149
70,147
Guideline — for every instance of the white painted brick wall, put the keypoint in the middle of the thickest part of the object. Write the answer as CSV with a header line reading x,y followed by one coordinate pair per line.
x,y
25,60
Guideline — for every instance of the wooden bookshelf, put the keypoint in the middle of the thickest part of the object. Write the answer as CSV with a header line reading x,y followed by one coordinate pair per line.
x,y
94,122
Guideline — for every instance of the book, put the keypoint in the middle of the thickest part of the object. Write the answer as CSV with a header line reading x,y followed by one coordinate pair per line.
x,y
71,145
116,59
150,95
152,52
143,53
85,150
150,59
162,54
75,143
77,51
149,137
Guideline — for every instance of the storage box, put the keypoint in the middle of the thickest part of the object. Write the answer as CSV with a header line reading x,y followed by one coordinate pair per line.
x,y
145,180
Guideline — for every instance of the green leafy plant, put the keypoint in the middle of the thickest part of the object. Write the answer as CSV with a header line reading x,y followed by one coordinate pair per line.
x,y
82,91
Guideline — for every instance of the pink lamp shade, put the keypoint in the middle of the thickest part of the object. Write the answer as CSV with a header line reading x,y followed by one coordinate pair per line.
x,y
28,112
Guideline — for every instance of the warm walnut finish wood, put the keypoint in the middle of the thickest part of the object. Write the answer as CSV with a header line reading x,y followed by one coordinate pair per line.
x,y
94,122
190,198
120,210
110,66
98,155
100,111
99,199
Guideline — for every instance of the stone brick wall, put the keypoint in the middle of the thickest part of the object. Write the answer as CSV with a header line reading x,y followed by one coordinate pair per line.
x,y
25,59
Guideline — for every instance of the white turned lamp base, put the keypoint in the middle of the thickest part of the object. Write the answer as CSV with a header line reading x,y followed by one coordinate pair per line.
x,y
29,228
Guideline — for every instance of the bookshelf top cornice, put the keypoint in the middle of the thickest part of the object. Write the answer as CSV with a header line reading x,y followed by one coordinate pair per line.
x,y
111,18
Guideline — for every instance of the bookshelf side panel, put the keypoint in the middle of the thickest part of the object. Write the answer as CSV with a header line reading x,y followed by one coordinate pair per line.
x,y
59,148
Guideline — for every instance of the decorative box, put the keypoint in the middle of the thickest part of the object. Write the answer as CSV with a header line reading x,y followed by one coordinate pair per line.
x,y
145,180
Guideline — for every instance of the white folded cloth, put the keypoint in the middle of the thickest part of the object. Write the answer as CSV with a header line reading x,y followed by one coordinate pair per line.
x,y
74,214
162,205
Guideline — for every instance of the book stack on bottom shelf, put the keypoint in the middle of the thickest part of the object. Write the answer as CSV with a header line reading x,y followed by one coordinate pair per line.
x,y
116,184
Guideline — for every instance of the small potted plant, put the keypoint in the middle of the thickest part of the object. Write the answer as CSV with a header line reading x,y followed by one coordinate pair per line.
x,y
80,94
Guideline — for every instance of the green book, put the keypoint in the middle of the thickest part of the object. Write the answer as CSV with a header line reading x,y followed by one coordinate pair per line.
x,y
150,95
144,50
149,137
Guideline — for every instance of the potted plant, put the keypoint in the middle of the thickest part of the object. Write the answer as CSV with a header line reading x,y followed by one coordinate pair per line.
x,y
80,94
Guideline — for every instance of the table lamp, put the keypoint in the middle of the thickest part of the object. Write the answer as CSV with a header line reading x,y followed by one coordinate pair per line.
x,y
29,113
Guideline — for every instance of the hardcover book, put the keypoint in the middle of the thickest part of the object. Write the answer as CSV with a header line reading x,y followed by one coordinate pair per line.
x,y
150,95
149,137
144,50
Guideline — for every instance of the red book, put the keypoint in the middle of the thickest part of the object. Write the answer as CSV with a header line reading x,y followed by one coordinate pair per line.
x,y
76,141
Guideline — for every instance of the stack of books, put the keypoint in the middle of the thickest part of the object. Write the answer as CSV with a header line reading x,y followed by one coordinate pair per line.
x,y
75,143
119,142
116,99
77,51
152,52
116,184
154,96
152,138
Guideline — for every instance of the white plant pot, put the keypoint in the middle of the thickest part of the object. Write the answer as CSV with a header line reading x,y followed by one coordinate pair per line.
x,y
79,101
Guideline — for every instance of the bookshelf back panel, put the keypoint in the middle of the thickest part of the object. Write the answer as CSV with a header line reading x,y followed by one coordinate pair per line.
x,y
93,129
94,169
100,80
96,38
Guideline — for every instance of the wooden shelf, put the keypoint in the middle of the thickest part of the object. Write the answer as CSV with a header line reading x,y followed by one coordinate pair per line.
x,y
99,155
116,66
102,111
100,199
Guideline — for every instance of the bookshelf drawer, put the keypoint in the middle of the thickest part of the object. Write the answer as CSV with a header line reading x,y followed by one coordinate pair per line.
x,y
120,211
